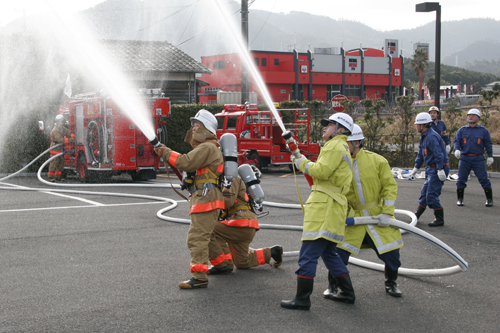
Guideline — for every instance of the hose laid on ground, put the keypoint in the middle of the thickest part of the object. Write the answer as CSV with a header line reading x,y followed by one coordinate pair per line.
x,y
462,264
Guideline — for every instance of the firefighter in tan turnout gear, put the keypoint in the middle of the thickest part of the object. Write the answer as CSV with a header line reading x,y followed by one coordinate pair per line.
x,y
231,238
59,134
205,164
373,193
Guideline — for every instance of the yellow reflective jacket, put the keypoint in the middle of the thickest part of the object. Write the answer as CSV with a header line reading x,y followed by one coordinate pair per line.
x,y
373,191
326,207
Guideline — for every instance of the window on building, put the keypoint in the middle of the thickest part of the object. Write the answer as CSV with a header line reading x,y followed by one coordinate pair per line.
x,y
332,90
256,61
276,62
219,64
208,64
353,91
264,62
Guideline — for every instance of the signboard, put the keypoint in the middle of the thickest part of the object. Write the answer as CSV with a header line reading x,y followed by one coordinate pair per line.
x,y
336,106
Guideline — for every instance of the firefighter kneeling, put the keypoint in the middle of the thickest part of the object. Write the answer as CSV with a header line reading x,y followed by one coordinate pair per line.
x,y
231,237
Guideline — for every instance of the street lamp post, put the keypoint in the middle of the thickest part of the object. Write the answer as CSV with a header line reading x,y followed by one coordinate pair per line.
x,y
431,7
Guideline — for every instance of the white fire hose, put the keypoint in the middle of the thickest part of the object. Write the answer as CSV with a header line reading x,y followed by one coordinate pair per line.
x,y
461,267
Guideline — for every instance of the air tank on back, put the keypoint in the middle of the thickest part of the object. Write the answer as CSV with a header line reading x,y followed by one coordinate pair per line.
x,y
229,146
254,189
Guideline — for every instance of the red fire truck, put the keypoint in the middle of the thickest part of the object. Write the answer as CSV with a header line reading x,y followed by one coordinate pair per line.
x,y
259,136
107,142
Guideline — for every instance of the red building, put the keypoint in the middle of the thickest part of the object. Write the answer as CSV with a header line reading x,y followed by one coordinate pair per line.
x,y
318,75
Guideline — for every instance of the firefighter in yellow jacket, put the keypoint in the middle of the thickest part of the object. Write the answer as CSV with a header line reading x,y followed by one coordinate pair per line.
x,y
325,213
59,134
230,242
373,193
206,164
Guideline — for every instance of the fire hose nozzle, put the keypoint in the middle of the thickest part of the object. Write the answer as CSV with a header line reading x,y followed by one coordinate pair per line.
x,y
292,144
155,142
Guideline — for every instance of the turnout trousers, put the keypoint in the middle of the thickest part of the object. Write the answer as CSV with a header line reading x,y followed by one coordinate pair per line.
x,y
234,242
198,238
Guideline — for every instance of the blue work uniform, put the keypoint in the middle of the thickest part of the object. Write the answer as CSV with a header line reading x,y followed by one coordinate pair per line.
x,y
440,129
472,142
432,151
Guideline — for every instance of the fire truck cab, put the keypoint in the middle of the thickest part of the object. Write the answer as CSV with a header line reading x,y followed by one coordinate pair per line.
x,y
108,142
259,135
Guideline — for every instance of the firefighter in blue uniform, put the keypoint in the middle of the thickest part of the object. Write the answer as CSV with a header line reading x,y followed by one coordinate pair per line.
x,y
432,151
439,126
470,143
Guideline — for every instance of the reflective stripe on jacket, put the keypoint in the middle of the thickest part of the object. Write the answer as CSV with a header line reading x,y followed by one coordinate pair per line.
x,y
324,214
373,191
238,214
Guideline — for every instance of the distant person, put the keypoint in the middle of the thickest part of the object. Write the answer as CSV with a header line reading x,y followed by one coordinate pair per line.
x,y
230,241
204,164
439,126
470,143
373,192
325,213
432,151
59,135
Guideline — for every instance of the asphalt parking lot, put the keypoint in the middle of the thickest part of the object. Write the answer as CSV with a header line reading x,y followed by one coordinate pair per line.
x,y
75,262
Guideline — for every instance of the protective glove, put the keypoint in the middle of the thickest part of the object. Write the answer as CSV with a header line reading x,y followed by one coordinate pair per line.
x,y
413,173
384,220
448,149
457,153
159,151
489,161
297,161
441,175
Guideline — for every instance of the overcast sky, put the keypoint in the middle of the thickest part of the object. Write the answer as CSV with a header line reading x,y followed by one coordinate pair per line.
x,y
377,14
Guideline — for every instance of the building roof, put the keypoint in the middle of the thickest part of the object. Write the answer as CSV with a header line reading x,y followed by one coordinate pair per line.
x,y
153,56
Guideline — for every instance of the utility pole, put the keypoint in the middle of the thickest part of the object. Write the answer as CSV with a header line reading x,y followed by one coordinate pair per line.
x,y
245,82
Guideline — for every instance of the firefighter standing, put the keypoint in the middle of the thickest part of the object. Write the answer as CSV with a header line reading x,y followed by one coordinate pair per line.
x,y
58,135
439,126
432,151
235,231
325,213
205,162
373,192
470,143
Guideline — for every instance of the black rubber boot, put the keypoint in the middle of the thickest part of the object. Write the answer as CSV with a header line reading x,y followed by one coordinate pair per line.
x,y
332,287
391,287
277,255
439,221
346,294
302,299
489,197
460,196
420,211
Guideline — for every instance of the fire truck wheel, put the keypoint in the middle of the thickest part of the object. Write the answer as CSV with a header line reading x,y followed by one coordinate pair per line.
x,y
84,174
260,162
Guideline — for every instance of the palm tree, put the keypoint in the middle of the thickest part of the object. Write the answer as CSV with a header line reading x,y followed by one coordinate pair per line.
x,y
419,62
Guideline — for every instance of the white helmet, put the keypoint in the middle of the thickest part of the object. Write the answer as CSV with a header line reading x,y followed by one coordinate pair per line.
x,y
343,119
433,108
207,119
423,118
59,117
474,111
357,134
